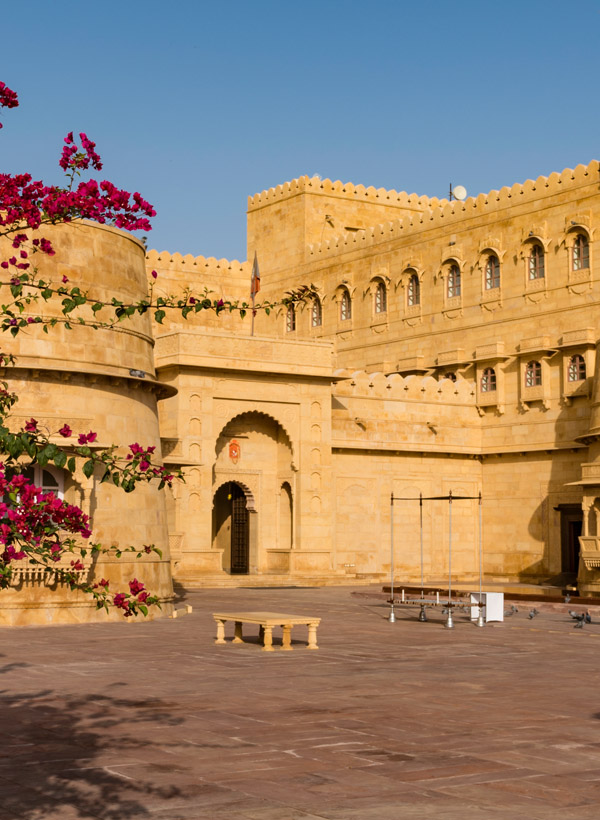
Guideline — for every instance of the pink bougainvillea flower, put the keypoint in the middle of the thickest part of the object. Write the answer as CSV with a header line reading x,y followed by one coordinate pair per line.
x,y
65,431
135,586
154,274
87,438
31,426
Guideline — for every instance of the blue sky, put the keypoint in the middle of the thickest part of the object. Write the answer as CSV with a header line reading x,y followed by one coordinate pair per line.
x,y
199,104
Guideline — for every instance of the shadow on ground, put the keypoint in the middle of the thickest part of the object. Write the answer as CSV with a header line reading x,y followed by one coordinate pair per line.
x,y
55,752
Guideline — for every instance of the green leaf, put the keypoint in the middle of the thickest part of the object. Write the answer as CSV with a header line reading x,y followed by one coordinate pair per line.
x,y
71,465
159,315
60,459
143,609
88,468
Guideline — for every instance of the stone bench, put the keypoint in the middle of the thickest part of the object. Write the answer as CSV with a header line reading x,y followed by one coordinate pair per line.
x,y
266,621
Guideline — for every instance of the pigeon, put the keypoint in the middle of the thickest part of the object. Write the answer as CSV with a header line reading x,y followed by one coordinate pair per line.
x,y
588,618
510,611
567,598
575,615
579,624
533,613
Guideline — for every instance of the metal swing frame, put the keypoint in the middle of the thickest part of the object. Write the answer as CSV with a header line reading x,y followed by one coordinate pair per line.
x,y
422,603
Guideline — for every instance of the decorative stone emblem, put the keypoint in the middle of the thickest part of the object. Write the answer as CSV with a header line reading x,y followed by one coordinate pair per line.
x,y
234,451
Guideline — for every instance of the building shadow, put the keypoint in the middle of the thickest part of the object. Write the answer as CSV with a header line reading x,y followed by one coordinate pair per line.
x,y
66,756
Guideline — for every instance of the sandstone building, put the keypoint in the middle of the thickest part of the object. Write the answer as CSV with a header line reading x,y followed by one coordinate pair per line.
x,y
452,347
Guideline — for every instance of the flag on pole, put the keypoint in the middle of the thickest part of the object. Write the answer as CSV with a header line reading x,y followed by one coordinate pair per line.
x,y
255,281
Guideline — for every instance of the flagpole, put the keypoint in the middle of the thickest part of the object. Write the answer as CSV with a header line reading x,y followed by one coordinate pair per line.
x,y
254,288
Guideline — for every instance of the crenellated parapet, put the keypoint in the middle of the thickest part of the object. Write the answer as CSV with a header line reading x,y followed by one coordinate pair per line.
x,y
175,264
437,213
223,278
360,384
345,190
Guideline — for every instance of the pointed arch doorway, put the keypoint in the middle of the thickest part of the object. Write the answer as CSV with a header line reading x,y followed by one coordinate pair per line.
x,y
231,527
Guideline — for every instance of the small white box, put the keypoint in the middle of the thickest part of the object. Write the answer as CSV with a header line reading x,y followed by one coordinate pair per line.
x,y
493,606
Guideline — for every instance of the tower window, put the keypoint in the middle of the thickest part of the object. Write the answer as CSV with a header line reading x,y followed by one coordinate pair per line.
x,y
581,252
453,286
316,313
536,262
414,291
492,272
380,298
345,306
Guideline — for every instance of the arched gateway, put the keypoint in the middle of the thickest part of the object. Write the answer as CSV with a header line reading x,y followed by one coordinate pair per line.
x,y
253,483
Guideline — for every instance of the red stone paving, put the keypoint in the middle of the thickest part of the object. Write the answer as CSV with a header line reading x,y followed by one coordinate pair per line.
x,y
383,722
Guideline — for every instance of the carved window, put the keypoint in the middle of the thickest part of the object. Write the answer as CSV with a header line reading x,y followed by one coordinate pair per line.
x,y
345,306
488,380
536,262
316,313
533,374
492,272
413,296
380,298
453,284
576,369
290,319
581,252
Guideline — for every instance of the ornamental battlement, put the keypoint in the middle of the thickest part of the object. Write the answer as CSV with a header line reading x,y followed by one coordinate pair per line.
x,y
175,262
345,190
404,388
443,212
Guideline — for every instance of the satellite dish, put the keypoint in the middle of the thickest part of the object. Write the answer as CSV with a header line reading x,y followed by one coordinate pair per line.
x,y
459,192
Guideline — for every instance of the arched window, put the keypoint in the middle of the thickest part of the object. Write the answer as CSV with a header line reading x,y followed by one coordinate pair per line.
x,y
290,318
453,286
492,272
576,370
345,306
581,252
380,298
316,313
533,374
536,262
413,294
50,481
488,380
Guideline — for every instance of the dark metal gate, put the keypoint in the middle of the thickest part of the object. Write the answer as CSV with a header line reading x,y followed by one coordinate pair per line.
x,y
240,546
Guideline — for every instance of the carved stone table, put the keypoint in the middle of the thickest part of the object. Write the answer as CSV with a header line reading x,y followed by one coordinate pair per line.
x,y
266,622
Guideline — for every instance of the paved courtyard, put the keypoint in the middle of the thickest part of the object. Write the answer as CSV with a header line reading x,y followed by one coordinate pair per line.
x,y
384,721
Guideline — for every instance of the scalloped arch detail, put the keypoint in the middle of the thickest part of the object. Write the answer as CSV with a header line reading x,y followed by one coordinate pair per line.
x,y
257,413
250,500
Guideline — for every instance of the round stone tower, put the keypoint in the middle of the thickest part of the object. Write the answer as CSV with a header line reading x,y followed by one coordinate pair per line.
x,y
94,380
